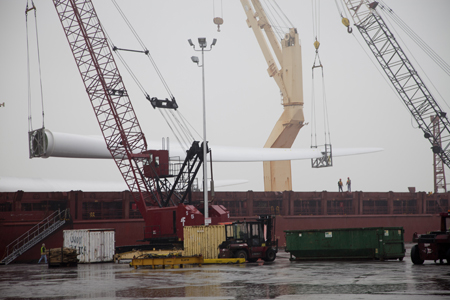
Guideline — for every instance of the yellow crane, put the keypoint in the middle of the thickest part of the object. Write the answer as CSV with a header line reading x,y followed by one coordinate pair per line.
x,y
288,76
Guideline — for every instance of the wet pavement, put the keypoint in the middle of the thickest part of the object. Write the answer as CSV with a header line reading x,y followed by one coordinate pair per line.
x,y
281,279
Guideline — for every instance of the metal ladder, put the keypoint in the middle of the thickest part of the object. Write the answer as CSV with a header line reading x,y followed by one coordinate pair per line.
x,y
35,235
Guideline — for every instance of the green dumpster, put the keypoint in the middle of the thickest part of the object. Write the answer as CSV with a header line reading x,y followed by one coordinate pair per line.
x,y
347,243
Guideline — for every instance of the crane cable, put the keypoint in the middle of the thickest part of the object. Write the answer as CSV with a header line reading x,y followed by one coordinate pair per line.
x,y
318,64
30,123
146,51
341,9
177,124
181,132
218,20
316,20
419,42
172,125
424,46
277,18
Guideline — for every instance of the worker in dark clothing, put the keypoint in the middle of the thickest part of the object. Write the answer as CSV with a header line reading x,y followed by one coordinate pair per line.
x,y
43,254
340,185
349,184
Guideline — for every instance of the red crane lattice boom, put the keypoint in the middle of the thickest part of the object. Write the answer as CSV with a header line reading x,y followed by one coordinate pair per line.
x,y
144,171
107,93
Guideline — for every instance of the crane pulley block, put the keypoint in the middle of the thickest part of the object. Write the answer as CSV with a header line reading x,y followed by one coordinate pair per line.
x,y
218,21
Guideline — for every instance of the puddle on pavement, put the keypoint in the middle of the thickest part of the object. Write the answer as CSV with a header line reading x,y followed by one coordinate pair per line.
x,y
280,280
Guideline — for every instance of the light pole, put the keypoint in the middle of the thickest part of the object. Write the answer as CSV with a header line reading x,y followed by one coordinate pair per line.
x,y
202,43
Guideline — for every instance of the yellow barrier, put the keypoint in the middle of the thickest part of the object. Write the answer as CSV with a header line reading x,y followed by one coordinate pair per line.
x,y
224,261
167,261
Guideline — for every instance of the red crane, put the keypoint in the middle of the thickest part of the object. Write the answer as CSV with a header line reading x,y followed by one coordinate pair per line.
x,y
143,170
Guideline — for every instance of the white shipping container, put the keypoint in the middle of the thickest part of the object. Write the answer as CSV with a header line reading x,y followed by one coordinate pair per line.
x,y
92,245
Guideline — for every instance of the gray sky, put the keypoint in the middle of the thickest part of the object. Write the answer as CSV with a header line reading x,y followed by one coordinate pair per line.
x,y
243,102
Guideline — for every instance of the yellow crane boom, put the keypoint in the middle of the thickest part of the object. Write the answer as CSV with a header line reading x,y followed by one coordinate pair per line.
x,y
277,174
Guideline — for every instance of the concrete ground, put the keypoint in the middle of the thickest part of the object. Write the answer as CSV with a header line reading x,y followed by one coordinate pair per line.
x,y
281,279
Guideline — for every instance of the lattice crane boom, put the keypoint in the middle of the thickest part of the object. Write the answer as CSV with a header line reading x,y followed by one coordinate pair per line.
x,y
403,76
107,93
146,172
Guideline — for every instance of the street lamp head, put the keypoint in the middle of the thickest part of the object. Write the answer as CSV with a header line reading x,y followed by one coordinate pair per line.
x,y
213,42
190,42
194,59
202,42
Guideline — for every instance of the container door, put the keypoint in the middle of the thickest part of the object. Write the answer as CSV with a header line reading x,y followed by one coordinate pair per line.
x,y
394,246
379,252
94,249
79,240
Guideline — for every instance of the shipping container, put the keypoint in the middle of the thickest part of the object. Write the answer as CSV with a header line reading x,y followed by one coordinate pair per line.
x,y
347,243
203,240
92,245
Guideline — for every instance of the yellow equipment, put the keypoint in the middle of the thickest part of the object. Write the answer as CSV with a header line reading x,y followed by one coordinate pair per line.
x,y
277,174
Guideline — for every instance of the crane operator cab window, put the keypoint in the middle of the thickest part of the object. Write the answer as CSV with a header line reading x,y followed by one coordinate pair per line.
x,y
149,160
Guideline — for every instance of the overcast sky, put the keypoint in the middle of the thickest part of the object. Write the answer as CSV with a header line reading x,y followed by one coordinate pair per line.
x,y
243,102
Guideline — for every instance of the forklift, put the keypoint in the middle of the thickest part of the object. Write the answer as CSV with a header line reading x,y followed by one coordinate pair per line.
x,y
432,246
251,240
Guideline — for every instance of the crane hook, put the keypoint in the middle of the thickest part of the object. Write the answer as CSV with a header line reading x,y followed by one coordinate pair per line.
x,y
346,23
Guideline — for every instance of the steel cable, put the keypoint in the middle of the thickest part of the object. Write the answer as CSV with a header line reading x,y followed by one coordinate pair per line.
x,y
409,51
178,128
424,46
276,16
30,125
145,49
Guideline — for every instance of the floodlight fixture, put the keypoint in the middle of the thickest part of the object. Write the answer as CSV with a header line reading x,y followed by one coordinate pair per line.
x,y
194,59
190,42
213,42
202,42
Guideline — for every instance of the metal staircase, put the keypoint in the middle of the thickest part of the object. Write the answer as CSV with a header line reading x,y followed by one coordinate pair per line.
x,y
35,235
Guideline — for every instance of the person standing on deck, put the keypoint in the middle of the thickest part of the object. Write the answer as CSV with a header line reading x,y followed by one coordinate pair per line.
x,y
349,184
43,255
340,185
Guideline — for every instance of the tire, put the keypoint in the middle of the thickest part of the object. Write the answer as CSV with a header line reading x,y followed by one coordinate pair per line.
x,y
415,255
241,254
270,255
